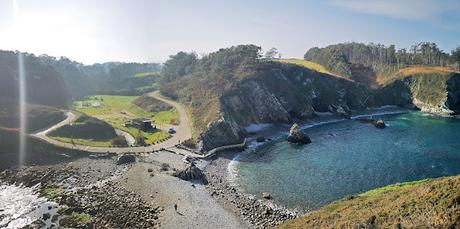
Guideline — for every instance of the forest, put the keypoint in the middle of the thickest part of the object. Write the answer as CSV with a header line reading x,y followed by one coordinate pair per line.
x,y
340,58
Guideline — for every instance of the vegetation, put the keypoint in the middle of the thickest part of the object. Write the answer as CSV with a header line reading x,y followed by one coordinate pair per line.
x,y
421,204
151,104
178,65
45,86
111,78
39,116
52,192
119,141
307,64
37,153
203,81
117,110
75,220
168,117
86,127
350,59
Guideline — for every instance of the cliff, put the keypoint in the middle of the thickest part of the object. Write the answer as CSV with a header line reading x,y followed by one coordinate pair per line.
x,y
222,99
437,93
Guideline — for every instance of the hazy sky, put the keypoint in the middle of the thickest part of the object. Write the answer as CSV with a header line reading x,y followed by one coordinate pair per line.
x,y
150,30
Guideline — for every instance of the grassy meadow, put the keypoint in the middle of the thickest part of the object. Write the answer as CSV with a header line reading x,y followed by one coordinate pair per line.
x,y
116,110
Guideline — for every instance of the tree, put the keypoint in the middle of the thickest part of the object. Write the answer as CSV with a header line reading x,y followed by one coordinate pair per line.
x,y
178,66
272,53
455,56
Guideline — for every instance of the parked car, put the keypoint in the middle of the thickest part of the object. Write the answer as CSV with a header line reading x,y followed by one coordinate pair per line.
x,y
171,131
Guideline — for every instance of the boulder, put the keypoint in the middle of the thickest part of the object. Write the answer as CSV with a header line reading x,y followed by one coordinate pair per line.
x,y
296,135
379,124
124,159
191,172
266,195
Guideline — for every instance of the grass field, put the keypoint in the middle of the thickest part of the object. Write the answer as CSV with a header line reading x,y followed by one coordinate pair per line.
x,y
86,142
116,110
307,64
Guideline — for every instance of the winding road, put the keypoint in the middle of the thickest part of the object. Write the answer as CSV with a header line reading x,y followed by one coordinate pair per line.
x,y
183,133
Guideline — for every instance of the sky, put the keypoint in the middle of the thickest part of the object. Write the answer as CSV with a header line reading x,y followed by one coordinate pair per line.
x,y
91,31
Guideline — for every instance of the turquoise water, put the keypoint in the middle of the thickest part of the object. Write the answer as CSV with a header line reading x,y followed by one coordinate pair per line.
x,y
351,157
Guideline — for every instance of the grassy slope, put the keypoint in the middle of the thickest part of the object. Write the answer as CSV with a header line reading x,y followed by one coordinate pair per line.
x,y
38,152
307,64
39,116
421,204
86,131
116,110
412,70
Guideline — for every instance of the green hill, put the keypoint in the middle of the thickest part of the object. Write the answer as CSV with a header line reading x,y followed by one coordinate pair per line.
x,y
423,204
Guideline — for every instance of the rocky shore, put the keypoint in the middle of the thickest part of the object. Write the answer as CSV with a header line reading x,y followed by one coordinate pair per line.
x,y
87,194
255,211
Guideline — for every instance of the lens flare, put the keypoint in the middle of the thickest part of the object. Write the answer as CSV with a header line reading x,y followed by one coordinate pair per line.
x,y
22,110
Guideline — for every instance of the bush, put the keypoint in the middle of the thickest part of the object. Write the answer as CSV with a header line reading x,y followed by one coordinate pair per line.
x,y
119,141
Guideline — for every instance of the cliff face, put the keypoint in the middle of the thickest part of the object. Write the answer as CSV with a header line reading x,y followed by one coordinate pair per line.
x,y
437,93
280,93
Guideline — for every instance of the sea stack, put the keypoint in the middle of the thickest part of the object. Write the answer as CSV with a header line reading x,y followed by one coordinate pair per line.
x,y
297,136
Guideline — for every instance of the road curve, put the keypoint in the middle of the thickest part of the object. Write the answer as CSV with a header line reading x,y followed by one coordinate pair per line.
x,y
183,133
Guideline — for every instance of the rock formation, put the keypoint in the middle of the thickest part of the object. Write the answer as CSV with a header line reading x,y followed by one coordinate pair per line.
x,y
296,135
191,172
379,123
125,159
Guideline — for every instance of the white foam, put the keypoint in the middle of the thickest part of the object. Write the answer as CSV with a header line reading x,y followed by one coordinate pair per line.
x,y
19,206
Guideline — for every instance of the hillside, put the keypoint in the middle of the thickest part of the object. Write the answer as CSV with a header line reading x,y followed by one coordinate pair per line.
x,y
108,78
423,204
307,64
373,64
43,84
37,153
435,91
232,88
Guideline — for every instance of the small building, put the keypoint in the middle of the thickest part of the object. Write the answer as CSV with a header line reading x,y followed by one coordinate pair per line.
x,y
141,124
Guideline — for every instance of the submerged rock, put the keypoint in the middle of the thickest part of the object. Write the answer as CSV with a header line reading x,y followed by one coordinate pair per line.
x,y
266,195
379,124
260,139
296,135
124,159
191,172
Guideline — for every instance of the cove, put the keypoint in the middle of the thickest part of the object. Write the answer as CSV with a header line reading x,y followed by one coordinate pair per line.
x,y
351,157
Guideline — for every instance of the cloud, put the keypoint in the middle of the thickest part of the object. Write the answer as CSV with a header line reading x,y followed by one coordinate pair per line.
x,y
404,9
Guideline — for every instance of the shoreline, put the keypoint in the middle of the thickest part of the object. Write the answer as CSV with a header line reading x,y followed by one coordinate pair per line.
x,y
254,210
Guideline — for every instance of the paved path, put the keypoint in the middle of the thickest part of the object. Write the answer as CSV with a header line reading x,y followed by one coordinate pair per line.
x,y
182,133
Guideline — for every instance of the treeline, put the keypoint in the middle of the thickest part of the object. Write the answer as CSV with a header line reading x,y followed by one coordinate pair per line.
x,y
340,58
107,78
222,64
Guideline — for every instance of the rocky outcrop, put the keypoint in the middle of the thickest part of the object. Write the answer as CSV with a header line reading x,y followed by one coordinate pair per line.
x,y
190,173
296,135
437,93
221,132
125,159
379,124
